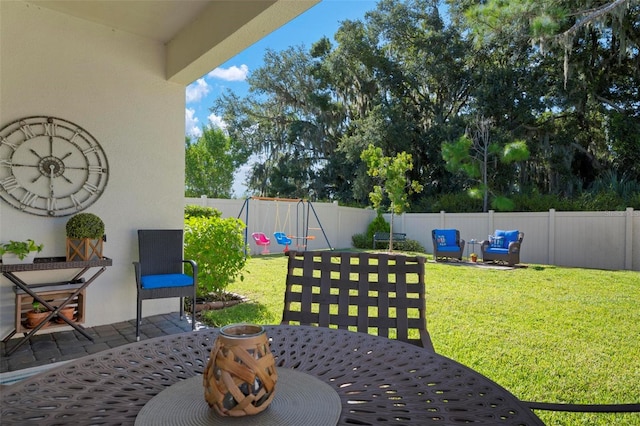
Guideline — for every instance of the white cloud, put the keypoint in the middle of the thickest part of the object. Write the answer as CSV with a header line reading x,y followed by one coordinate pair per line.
x,y
232,73
191,125
197,90
216,120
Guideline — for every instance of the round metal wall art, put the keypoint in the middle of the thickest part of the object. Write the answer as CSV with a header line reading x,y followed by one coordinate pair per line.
x,y
50,166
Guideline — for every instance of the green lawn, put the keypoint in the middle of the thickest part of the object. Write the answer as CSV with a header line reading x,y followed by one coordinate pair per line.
x,y
545,333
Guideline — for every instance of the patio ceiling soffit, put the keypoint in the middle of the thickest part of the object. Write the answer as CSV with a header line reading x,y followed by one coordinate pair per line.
x,y
222,30
199,35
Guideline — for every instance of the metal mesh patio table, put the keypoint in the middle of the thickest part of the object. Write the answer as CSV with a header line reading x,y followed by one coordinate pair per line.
x,y
379,381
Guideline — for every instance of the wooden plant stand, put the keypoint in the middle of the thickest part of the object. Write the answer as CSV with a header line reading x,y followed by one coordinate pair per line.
x,y
56,295
52,296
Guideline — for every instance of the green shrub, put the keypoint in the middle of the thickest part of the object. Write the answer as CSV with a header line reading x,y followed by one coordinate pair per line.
x,y
193,210
601,201
217,246
361,241
536,202
377,225
599,198
410,245
459,202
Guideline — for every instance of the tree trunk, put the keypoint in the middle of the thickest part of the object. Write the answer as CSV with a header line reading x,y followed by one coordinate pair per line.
x,y
391,231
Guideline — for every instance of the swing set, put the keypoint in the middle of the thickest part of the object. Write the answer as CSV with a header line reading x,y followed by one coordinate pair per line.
x,y
283,231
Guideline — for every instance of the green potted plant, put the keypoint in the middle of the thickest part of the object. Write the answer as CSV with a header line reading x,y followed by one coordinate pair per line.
x,y
36,315
85,237
19,251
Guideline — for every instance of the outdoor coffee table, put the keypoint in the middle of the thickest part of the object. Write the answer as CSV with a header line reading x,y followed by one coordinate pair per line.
x,y
378,381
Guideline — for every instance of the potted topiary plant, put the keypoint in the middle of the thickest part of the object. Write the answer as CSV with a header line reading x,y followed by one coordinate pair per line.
x,y
85,237
36,315
15,252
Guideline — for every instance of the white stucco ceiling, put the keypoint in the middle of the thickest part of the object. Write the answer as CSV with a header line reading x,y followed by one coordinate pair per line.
x,y
199,35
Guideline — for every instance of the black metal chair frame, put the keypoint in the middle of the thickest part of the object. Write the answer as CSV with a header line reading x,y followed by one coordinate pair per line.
x,y
161,252
345,289
583,408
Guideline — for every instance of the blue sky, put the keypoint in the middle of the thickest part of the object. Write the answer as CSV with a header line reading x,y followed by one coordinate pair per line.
x,y
322,19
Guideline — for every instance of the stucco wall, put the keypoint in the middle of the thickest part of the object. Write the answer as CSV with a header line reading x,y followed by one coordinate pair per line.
x,y
112,84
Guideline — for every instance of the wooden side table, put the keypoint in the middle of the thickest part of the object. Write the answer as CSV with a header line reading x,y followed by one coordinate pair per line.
x,y
62,293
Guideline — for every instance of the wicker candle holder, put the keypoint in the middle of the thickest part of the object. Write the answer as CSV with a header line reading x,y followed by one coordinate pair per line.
x,y
240,377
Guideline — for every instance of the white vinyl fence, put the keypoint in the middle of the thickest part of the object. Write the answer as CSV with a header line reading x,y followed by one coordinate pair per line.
x,y
601,240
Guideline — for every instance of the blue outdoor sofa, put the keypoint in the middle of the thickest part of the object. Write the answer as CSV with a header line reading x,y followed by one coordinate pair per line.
x,y
503,247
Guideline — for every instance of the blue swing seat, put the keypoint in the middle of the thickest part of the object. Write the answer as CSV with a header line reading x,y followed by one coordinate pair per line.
x,y
282,239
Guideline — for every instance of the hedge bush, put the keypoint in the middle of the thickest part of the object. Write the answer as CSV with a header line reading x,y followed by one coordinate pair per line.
x,y
193,210
602,200
217,246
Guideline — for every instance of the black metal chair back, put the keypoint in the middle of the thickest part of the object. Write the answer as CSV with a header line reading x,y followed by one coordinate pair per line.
x,y
376,293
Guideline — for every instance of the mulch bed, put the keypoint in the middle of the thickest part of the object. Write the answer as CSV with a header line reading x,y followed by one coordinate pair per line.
x,y
219,301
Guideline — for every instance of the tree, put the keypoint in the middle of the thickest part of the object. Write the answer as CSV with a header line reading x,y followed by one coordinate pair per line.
x,y
391,172
287,120
210,163
472,154
583,60
407,80
397,76
556,22
404,79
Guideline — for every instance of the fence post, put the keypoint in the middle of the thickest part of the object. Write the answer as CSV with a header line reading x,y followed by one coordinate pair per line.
x,y
490,219
336,226
443,219
551,249
628,243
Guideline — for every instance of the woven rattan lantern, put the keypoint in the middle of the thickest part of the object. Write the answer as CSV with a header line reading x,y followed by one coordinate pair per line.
x,y
240,377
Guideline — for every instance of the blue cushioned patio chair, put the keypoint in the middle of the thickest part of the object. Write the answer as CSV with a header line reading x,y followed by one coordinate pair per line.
x,y
503,247
447,244
159,273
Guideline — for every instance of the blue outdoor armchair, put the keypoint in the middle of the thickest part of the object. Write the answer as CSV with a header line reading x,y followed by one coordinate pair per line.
x,y
503,247
447,244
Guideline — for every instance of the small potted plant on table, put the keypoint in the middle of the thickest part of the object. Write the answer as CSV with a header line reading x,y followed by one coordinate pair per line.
x,y
36,315
15,252
85,235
